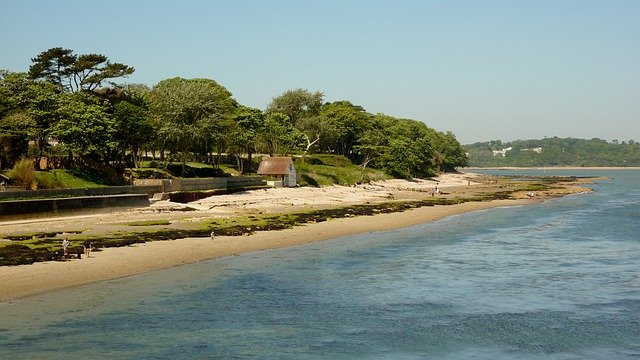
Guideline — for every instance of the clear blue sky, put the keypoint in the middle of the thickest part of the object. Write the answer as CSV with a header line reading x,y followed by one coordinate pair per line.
x,y
483,69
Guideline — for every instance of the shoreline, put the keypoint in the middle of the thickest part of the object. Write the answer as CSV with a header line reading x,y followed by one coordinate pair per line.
x,y
114,263
19,281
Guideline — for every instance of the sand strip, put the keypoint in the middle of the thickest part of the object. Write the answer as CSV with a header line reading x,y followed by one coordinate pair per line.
x,y
113,263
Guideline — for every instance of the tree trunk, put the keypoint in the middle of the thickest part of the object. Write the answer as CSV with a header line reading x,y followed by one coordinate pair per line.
x,y
310,144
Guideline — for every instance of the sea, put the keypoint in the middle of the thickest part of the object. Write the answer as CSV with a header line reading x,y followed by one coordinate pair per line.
x,y
556,280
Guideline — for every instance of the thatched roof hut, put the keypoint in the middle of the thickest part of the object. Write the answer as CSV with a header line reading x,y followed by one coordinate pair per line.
x,y
279,167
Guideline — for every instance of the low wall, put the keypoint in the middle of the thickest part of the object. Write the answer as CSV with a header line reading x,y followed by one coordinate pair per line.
x,y
146,186
49,207
192,184
78,192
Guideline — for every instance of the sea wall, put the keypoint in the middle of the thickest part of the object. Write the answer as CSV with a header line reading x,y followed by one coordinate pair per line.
x,y
56,201
79,192
195,184
52,207
146,186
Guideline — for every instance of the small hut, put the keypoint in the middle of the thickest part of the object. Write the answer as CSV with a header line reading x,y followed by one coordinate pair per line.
x,y
281,167
4,182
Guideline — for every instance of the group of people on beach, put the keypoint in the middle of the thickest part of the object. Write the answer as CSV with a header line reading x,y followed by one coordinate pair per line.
x,y
86,245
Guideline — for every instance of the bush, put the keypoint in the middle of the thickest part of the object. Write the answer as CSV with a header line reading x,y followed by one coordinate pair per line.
x,y
324,159
48,180
187,171
100,173
23,174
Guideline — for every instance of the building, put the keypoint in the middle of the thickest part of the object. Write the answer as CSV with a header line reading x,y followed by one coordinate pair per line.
x,y
502,152
279,167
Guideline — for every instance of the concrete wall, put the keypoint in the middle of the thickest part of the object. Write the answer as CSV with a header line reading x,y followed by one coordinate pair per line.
x,y
80,200
148,186
203,183
52,207
99,191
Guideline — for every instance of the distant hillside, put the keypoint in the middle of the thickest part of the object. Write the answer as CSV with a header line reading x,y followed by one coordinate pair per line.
x,y
554,152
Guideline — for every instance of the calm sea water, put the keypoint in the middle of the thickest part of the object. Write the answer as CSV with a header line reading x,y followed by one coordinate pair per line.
x,y
559,280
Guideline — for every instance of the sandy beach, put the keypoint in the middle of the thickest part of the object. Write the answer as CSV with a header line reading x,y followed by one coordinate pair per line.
x,y
111,263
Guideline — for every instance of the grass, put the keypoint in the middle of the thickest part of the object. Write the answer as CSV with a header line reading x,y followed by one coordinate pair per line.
x,y
326,172
63,179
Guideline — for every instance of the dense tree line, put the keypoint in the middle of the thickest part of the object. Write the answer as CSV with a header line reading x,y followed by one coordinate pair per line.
x,y
68,105
555,152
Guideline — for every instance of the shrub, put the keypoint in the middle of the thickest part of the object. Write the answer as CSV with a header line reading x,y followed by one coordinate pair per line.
x,y
23,174
187,171
48,180
325,159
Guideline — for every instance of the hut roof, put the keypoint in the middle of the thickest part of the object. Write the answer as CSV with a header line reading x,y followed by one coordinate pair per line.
x,y
274,166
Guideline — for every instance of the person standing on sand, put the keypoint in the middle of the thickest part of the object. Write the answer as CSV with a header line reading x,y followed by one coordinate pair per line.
x,y
87,248
65,245
212,235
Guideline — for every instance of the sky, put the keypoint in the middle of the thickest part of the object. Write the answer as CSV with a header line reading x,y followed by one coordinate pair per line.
x,y
482,69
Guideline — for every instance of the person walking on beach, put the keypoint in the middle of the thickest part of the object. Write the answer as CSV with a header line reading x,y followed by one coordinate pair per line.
x,y
65,245
87,248
212,235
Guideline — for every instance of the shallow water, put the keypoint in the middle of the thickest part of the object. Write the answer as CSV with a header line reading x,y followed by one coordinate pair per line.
x,y
559,280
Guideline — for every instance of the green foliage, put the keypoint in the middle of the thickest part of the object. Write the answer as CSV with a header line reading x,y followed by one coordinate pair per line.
x,y
84,127
297,104
23,174
148,173
62,99
555,152
187,171
191,115
409,151
48,180
329,160
325,170
67,179
345,125
14,137
133,129
279,137
70,72
99,174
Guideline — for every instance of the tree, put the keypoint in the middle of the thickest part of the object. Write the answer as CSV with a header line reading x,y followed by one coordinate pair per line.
x,y
14,137
410,151
42,104
191,115
278,136
55,66
297,104
249,123
345,124
452,155
70,72
16,126
84,125
302,108
133,128
371,145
